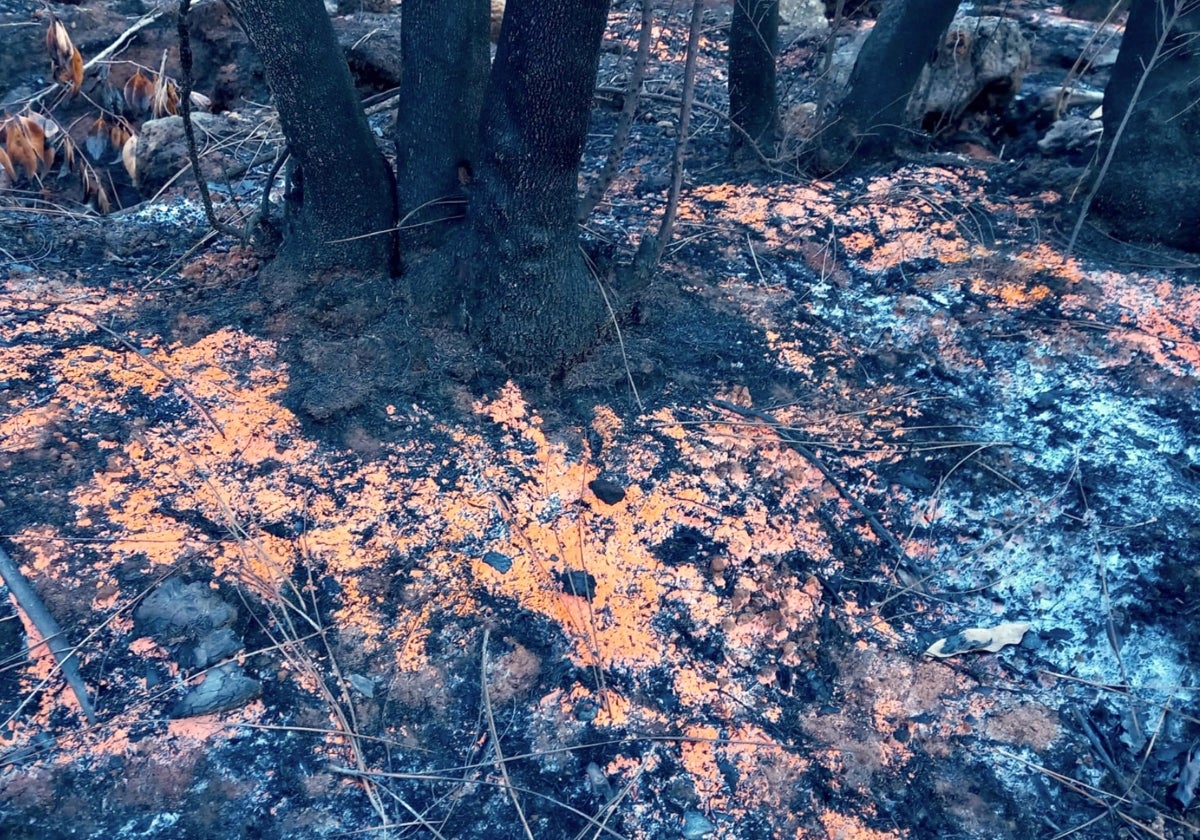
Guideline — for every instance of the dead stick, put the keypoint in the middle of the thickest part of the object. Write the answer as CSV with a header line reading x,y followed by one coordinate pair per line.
x,y
709,109
124,38
687,96
625,121
52,634
189,132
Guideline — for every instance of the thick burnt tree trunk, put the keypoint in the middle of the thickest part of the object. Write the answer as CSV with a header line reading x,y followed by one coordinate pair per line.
x,y
753,47
340,203
531,295
445,58
1148,190
331,282
870,117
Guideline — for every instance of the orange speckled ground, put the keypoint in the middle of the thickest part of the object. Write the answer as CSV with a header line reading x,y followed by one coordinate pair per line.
x,y
751,650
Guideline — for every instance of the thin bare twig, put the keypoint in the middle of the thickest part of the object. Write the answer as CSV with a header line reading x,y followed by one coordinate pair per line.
x,y
1168,25
625,121
130,346
189,132
612,315
491,721
698,105
685,118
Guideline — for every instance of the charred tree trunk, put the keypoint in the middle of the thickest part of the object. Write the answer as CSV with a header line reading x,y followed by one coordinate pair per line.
x,y
445,58
870,119
331,281
1152,161
753,47
341,206
531,295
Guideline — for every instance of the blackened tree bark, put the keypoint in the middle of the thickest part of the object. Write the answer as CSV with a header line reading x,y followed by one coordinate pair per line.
x,y
870,117
753,47
513,269
341,207
1152,160
532,297
445,58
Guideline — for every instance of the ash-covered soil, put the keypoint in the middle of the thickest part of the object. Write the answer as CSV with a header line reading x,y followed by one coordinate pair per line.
x,y
850,418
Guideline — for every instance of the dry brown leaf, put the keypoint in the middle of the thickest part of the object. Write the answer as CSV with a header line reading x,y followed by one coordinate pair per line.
x,y
139,93
58,40
6,165
69,153
20,149
76,72
166,94
65,59
34,130
93,190
978,639
129,157
166,98
118,134
97,140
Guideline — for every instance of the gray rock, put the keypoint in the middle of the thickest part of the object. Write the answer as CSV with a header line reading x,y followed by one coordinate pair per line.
x,y
1070,134
801,18
178,612
362,685
978,55
371,43
224,688
695,826
162,149
210,648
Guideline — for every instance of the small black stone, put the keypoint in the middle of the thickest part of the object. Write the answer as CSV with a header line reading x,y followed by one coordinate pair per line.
x,y
586,710
500,562
607,491
582,584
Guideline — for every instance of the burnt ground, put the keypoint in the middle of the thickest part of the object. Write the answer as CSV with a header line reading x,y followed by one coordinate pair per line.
x,y
454,632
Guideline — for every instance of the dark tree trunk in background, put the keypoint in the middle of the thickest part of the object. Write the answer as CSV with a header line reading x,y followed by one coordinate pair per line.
x,y
340,188
1148,192
532,296
445,66
871,118
753,46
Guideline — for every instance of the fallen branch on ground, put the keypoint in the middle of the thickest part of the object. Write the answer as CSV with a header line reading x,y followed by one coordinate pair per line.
x,y
28,600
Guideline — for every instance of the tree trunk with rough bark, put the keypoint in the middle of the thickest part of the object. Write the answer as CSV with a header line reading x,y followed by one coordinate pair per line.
x,y
871,117
753,47
340,207
1147,191
532,296
445,58
513,269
